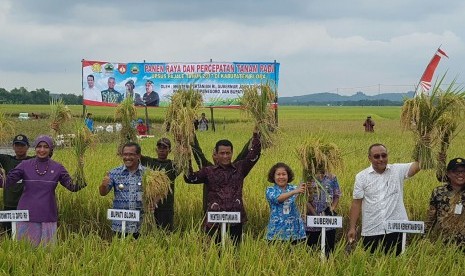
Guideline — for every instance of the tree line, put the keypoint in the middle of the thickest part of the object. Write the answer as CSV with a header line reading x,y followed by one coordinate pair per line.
x,y
39,96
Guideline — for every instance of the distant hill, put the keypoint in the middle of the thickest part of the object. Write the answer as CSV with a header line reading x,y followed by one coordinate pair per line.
x,y
358,98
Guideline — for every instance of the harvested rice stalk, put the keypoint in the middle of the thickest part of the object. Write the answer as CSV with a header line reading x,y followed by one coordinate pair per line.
x,y
156,185
7,128
60,113
446,127
256,102
316,156
82,141
126,113
180,115
422,114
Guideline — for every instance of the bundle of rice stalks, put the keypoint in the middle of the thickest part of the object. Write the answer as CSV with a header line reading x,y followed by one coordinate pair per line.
x,y
446,127
257,101
317,156
82,141
156,185
60,113
180,115
7,128
422,115
126,113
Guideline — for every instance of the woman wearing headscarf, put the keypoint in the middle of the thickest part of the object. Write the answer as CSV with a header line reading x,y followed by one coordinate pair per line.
x,y
40,177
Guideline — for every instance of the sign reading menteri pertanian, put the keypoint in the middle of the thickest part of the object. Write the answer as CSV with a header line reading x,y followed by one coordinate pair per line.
x,y
224,217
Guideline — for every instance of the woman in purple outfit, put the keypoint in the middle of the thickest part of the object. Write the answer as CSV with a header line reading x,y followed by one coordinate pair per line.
x,y
40,176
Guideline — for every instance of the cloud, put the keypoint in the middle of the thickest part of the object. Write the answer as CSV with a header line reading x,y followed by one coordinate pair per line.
x,y
321,45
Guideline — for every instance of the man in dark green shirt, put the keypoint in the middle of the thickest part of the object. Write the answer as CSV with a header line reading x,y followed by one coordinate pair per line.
x,y
12,194
164,213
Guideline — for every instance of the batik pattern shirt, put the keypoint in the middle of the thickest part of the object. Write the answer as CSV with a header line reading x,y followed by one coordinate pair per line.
x,y
128,192
285,220
446,213
323,196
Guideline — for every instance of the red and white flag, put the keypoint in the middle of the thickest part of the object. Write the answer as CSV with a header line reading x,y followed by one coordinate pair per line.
x,y
425,81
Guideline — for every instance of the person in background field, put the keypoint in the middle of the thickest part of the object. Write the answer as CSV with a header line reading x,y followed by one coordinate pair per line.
x,y
378,194
126,182
40,177
89,122
150,97
203,123
131,94
141,127
285,222
12,194
164,212
91,93
324,199
446,205
224,184
110,95
369,125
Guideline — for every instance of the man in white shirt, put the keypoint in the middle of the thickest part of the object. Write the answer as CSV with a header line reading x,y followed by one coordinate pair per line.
x,y
378,194
92,93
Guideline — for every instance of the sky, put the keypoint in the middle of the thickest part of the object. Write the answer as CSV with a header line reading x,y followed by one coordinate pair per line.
x,y
322,46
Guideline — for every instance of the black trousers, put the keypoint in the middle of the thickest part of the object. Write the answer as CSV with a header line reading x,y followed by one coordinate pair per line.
x,y
164,219
234,231
387,242
313,240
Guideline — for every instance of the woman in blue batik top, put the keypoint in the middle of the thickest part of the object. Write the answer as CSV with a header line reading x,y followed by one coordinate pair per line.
x,y
285,222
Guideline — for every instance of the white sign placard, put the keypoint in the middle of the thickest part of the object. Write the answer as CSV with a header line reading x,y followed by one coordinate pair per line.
x,y
324,221
14,215
405,226
224,217
125,215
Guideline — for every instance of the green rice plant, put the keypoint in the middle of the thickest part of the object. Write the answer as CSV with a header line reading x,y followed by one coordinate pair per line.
x,y
82,141
60,114
126,113
7,128
256,102
422,115
180,115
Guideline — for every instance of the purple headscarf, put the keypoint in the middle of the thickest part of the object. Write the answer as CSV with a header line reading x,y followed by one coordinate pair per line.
x,y
46,139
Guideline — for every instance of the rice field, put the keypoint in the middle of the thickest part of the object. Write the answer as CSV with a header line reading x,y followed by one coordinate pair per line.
x,y
86,245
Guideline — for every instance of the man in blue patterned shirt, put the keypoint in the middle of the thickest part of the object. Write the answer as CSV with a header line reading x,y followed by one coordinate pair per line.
x,y
126,182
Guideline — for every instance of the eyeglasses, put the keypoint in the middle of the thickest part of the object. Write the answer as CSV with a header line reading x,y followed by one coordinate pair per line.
x,y
379,156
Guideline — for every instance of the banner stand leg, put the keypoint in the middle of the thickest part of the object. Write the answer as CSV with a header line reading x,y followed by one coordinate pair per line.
x,y
404,241
323,243
13,230
223,234
123,229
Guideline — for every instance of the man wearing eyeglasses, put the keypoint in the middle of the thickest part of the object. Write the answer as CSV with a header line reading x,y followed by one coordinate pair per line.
x,y
378,194
446,212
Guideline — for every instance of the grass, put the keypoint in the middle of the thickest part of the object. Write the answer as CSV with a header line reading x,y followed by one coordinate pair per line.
x,y
85,240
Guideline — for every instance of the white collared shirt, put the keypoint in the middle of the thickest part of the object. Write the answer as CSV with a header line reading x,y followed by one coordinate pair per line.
x,y
382,196
92,94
